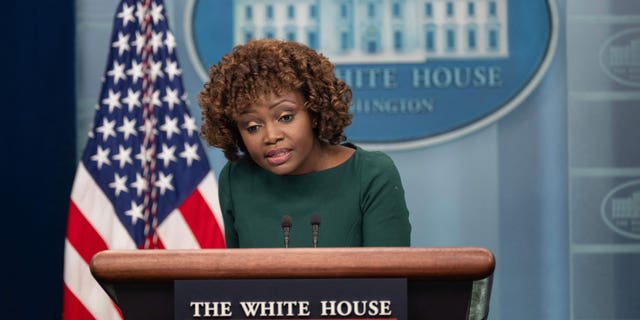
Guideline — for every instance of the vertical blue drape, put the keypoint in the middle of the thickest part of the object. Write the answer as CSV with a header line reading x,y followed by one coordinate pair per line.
x,y
534,232
38,152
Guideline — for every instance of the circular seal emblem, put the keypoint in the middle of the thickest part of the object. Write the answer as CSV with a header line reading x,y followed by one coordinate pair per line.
x,y
422,71
620,57
620,209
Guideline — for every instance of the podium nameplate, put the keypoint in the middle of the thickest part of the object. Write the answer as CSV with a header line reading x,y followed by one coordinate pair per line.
x,y
350,298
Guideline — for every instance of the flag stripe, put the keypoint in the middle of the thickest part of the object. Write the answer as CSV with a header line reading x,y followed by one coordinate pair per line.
x,y
209,190
175,233
80,282
82,236
73,306
198,216
98,210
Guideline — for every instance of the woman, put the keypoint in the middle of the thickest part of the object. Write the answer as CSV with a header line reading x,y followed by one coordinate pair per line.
x,y
278,112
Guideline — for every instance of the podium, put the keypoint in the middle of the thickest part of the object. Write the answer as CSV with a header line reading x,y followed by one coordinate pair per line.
x,y
442,282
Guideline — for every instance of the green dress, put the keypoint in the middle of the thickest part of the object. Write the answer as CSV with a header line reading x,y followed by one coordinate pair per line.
x,y
360,203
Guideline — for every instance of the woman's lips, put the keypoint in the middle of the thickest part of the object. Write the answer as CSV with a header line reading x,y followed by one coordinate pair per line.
x,y
278,156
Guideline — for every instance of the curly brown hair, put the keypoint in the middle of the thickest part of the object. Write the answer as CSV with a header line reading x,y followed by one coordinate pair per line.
x,y
267,66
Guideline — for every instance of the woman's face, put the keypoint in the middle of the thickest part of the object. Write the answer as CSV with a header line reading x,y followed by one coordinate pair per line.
x,y
278,134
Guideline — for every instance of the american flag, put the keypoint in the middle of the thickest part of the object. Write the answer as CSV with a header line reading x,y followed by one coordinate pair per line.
x,y
144,181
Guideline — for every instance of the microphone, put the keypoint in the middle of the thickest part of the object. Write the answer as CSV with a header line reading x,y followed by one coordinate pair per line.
x,y
286,228
315,227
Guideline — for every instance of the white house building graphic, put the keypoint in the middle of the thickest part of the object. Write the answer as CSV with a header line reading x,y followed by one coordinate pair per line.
x,y
380,31
625,55
620,57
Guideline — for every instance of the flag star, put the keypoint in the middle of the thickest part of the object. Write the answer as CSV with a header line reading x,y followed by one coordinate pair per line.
x,y
154,99
128,128
141,11
190,153
138,42
164,182
135,212
167,154
156,12
171,98
126,14
132,99
119,184
172,70
107,129
122,43
170,41
140,184
156,70
135,71
156,41
113,100
144,156
124,156
101,157
117,72
170,126
189,125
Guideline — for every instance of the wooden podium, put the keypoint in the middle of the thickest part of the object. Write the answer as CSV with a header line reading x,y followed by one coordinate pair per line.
x,y
442,282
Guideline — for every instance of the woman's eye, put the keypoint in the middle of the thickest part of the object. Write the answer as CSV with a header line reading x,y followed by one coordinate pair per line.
x,y
286,118
252,129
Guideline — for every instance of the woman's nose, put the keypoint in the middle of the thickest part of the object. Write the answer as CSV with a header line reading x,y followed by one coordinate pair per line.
x,y
272,133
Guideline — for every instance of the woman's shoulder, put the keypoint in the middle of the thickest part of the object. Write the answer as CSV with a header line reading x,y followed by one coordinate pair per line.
x,y
239,168
371,158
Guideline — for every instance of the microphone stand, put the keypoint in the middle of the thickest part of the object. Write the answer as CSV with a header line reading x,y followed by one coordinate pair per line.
x,y
315,228
286,229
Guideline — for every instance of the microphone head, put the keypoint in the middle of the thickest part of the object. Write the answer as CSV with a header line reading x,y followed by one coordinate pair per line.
x,y
286,221
315,219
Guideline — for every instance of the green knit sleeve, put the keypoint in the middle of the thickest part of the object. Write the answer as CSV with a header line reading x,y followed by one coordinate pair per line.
x,y
385,214
226,205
